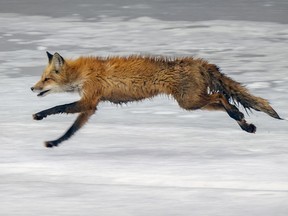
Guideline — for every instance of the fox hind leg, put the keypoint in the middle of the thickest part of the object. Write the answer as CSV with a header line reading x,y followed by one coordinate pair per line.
x,y
250,128
232,110
216,101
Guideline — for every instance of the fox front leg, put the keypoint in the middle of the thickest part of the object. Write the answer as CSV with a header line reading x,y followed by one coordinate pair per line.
x,y
75,107
66,108
79,122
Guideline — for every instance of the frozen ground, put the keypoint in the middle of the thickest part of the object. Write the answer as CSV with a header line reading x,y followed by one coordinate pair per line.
x,y
149,158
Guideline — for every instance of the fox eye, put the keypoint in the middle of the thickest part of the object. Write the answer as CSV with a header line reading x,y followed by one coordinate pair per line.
x,y
56,71
46,79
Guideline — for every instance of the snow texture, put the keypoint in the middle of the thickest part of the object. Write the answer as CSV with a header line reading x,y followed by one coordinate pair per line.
x,y
148,158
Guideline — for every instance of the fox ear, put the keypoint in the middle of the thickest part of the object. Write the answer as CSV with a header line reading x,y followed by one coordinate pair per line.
x,y
58,61
50,57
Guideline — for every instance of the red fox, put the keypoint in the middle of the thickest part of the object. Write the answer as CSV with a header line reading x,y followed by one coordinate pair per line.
x,y
194,83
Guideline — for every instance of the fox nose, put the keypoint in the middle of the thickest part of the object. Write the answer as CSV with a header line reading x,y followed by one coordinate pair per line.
x,y
32,88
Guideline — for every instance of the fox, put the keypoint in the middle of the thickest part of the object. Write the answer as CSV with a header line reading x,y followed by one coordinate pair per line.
x,y
193,82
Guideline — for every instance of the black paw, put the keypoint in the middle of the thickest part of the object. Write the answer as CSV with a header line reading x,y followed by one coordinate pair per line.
x,y
250,128
50,144
38,116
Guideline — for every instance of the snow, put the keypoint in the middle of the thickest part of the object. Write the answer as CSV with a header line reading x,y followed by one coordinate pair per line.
x,y
148,158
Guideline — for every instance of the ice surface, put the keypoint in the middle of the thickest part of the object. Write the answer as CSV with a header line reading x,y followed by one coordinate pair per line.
x,y
148,158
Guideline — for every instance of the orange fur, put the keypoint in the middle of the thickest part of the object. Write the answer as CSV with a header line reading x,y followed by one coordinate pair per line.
x,y
194,83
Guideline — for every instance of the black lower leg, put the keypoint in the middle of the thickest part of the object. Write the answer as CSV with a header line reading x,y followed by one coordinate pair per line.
x,y
79,122
55,110
67,135
235,113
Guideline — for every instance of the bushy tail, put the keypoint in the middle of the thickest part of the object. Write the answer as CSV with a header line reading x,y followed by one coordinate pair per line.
x,y
234,91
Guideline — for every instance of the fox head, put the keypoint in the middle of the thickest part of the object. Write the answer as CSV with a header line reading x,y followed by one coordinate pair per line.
x,y
54,78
